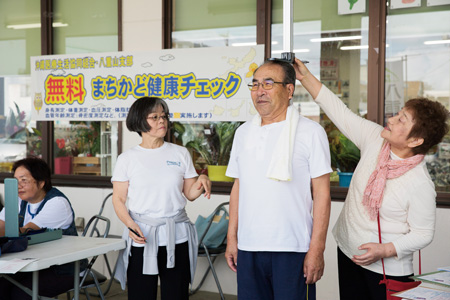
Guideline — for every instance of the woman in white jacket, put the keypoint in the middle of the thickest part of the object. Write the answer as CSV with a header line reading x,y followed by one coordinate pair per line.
x,y
392,181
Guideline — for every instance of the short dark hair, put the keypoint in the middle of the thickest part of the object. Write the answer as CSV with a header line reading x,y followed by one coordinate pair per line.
x,y
288,69
38,168
139,111
430,122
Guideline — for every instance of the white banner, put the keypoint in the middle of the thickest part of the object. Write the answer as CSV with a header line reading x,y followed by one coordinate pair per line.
x,y
201,84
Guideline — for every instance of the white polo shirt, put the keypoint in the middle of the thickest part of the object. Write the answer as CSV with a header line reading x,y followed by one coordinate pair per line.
x,y
276,215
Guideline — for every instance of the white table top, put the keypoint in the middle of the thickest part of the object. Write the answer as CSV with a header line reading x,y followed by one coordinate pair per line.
x,y
64,250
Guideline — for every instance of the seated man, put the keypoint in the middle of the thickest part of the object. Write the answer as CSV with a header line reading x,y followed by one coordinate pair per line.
x,y
40,206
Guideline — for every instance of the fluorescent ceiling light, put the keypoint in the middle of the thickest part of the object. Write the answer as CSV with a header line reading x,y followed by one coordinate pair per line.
x,y
301,50
243,44
354,47
337,38
249,44
34,25
437,42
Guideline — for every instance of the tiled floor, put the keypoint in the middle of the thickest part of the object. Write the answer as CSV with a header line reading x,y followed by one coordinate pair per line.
x,y
116,293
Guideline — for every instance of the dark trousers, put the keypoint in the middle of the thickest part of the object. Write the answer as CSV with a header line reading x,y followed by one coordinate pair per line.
x,y
272,276
50,285
357,283
174,281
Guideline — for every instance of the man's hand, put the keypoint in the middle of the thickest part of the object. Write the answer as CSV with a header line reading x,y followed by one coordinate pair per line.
x,y
231,254
313,266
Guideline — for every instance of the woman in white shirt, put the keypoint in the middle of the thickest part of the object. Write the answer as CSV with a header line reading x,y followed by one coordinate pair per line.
x,y
40,206
151,183
391,181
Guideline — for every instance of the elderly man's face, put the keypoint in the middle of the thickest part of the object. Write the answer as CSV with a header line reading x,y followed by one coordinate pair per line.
x,y
271,104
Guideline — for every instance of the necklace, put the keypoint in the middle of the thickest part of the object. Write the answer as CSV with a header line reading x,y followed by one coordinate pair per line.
x,y
29,211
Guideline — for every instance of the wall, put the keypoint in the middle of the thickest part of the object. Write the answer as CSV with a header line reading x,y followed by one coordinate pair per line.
x,y
142,24
87,201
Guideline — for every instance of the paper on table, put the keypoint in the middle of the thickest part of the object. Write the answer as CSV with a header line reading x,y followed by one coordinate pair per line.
x,y
423,293
441,277
14,265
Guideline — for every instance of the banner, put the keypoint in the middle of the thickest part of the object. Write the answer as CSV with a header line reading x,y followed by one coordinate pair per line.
x,y
198,84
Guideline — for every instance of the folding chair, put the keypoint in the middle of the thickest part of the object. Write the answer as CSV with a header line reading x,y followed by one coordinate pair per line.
x,y
211,254
111,272
89,277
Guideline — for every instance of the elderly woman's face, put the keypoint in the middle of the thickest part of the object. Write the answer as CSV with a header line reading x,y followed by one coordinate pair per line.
x,y
30,190
398,128
158,121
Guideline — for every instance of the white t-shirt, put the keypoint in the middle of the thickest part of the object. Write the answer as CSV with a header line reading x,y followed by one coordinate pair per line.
x,y
156,178
56,213
276,215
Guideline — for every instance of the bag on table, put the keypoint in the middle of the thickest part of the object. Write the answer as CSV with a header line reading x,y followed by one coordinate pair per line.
x,y
395,286
13,244
217,232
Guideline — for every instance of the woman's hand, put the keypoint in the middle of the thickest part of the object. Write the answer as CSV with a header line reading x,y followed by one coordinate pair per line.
x,y
203,182
194,187
308,81
375,252
137,235
300,69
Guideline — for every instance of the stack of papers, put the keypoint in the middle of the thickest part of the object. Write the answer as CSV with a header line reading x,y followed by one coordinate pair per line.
x,y
14,265
435,286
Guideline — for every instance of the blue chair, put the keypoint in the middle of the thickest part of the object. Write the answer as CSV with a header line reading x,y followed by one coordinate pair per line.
x,y
211,254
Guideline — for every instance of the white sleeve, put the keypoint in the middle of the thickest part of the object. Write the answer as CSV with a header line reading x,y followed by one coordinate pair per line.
x,y
421,220
190,169
319,160
56,213
120,169
357,129
233,168
2,213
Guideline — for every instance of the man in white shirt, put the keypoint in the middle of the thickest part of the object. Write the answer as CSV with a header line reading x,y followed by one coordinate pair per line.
x,y
276,160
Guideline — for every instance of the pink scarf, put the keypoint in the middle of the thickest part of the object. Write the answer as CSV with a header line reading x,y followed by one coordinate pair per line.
x,y
385,169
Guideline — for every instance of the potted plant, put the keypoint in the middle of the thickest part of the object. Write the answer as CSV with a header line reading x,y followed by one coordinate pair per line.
x,y
344,157
63,160
213,143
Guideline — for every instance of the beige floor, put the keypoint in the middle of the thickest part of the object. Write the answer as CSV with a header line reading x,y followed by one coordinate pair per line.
x,y
116,293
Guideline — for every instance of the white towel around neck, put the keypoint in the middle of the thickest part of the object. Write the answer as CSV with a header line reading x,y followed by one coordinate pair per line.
x,y
280,167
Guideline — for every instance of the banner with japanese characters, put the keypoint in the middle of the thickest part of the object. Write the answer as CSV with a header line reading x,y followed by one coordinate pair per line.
x,y
198,84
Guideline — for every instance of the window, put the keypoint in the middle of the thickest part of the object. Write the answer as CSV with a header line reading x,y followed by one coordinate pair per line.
x,y
349,53
19,39
336,47
77,27
417,65
218,24
87,31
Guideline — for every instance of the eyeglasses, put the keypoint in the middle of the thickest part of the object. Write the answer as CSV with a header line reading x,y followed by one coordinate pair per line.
x,y
155,118
266,84
24,181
